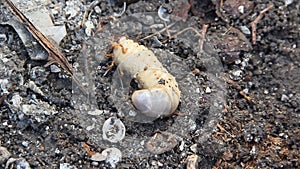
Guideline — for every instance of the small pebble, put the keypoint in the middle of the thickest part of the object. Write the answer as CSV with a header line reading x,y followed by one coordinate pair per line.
x,y
16,100
54,69
237,73
153,163
284,98
96,112
25,143
266,91
192,161
245,30
32,86
181,147
241,9
4,154
162,142
246,90
89,26
95,163
197,90
66,166
160,164
113,156
194,148
288,2
253,150
238,61
207,90
88,128
5,123
4,85
283,135
98,157
113,130
18,163
56,151
97,9
3,38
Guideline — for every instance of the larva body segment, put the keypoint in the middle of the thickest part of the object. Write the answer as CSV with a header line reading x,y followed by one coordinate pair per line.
x,y
159,94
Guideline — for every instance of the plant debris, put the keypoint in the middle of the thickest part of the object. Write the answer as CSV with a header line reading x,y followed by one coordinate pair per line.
x,y
162,142
238,62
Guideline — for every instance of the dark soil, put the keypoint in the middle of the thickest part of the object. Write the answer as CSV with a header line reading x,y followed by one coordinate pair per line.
x,y
259,125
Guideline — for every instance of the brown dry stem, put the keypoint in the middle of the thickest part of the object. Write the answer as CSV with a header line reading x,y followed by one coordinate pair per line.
x,y
256,20
55,55
202,35
241,92
158,32
88,149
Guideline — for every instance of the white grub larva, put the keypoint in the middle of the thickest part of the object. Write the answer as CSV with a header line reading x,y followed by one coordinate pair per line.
x,y
159,94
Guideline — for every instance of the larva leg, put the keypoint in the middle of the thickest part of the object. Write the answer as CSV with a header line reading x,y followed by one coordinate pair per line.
x,y
110,66
177,113
109,55
112,63
114,45
117,45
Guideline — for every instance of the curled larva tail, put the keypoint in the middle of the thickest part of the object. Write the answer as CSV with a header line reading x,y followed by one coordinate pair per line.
x,y
159,94
165,85
153,102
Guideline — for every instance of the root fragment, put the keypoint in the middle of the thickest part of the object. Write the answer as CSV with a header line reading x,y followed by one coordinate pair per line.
x,y
256,20
241,92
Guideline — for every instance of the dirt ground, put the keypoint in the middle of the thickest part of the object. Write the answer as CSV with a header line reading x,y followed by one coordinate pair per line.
x,y
237,63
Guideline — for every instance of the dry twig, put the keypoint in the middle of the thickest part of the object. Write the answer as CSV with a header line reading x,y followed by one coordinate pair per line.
x,y
87,10
202,35
241,92
55,55
88,149
256,20
158,32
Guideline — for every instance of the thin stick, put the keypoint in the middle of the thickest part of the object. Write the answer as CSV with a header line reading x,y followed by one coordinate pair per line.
x,y
202,35
187,29
55,56
87,10
241,92
167,30
156,33
256,20
54,53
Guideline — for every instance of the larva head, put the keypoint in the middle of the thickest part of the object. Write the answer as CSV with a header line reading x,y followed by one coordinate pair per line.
x,y
153,102
125,48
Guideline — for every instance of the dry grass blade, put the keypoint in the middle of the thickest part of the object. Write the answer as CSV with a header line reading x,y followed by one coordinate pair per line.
x,y
55,56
